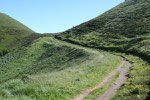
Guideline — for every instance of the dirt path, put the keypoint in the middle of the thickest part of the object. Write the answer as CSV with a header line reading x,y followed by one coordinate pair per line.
x,y
122,78
116,85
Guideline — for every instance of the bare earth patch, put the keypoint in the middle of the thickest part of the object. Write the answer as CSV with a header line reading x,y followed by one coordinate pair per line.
x,y
116,85
122,78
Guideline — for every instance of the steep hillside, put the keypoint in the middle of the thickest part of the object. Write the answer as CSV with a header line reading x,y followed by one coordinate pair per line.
x,y
126,25
50,69
124,29
13,34
129,19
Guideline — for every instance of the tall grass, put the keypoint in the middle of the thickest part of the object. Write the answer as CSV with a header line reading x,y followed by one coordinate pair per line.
x,y
54,70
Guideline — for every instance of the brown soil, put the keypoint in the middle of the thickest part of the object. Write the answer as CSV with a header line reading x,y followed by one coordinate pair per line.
x,y
116,85
122,78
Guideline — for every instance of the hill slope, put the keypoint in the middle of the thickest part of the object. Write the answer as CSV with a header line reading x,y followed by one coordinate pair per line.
x,y
13,34
50,69
126,25
128,19
125,29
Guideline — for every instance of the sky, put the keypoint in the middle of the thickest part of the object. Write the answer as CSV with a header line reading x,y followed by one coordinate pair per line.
x,y
51,16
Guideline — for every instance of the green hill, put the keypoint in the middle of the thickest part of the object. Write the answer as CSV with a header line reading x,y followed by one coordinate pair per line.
x,y
50,69
129,19
13,34
126,25
125,29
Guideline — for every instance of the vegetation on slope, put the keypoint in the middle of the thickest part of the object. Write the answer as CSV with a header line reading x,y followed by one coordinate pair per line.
x,y
128,19
50,69
126,29
13,34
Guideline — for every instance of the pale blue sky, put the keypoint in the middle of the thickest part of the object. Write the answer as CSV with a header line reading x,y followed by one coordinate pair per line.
x,y
49,16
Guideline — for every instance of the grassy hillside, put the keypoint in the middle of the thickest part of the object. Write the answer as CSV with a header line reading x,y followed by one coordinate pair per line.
x,y
50,69
13,34
125,29
126,26
128,19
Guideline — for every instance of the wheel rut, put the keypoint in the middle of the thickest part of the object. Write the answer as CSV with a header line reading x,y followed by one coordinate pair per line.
x,y
116,85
